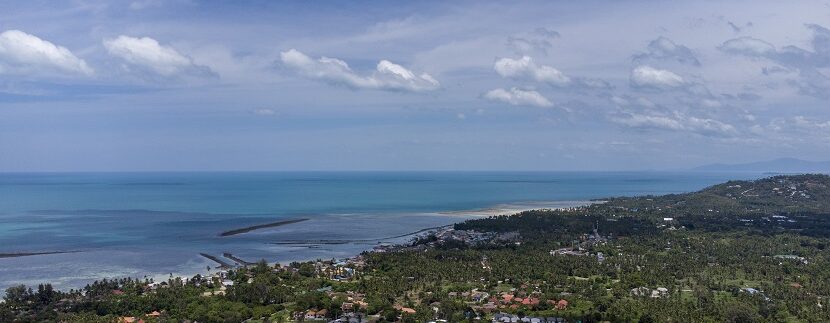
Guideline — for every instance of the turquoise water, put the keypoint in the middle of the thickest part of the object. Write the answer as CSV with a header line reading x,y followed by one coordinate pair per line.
x,y
146,224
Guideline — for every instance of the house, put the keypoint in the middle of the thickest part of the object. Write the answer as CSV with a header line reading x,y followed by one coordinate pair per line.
x,y
489,307
154,314
322,313
506,298
347,307
750,290
640,291
407,310
130,319
310,315
659,292
561,304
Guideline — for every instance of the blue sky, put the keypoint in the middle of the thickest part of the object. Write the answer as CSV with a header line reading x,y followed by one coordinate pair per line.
x,y
247,85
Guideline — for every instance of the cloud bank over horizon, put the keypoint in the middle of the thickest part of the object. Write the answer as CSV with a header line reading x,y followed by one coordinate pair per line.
x,y
151,85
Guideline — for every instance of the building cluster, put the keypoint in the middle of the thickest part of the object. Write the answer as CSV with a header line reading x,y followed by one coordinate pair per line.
x,y
658,292
133,319
791,190
513,318
582,246
474,237
352,309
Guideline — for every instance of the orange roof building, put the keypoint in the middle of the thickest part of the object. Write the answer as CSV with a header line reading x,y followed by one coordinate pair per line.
x,y
562,304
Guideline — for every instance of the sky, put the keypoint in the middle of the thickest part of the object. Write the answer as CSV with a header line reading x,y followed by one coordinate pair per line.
x,y
396,85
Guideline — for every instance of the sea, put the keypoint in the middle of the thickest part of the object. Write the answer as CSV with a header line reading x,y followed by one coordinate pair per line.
x,y
157,224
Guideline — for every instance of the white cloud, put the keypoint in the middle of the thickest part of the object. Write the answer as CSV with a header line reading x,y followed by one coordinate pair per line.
x,y
647,76
811,66
525,68
664,48
647,121
810,124
515,96
676,122
148,53
709,126
747,46
22,53
387,75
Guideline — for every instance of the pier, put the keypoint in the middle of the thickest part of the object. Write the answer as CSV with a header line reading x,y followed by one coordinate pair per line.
x,y
222,263
237,259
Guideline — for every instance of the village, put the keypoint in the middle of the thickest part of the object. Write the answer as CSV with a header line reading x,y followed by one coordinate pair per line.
x,y
485,305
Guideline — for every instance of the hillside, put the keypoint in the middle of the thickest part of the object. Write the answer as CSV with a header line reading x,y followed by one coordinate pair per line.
x,y
772,195
781,165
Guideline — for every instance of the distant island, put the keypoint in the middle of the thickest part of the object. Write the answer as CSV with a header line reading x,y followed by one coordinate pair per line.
x,y
740,251
781,165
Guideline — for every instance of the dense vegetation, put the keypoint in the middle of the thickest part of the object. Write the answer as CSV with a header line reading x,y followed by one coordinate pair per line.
x,y
738,252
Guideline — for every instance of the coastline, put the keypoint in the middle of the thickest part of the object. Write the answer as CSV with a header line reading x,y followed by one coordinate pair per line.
x,y
518,207
289,249
459,215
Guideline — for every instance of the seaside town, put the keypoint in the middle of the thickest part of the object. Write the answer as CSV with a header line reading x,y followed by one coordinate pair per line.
x,y
640,259
535,161
492,305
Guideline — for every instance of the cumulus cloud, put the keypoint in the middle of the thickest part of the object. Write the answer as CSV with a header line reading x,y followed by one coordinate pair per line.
x,y
747,46
675,122
648,121
26,54
809,65
387,75
709,126
147,53
648,77
515,96
665,49
810,123
525,69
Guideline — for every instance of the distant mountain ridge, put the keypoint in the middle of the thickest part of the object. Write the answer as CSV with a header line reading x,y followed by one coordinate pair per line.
x,y
781,165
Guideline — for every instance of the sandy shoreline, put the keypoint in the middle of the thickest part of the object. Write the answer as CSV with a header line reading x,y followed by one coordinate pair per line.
x,y
513,208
